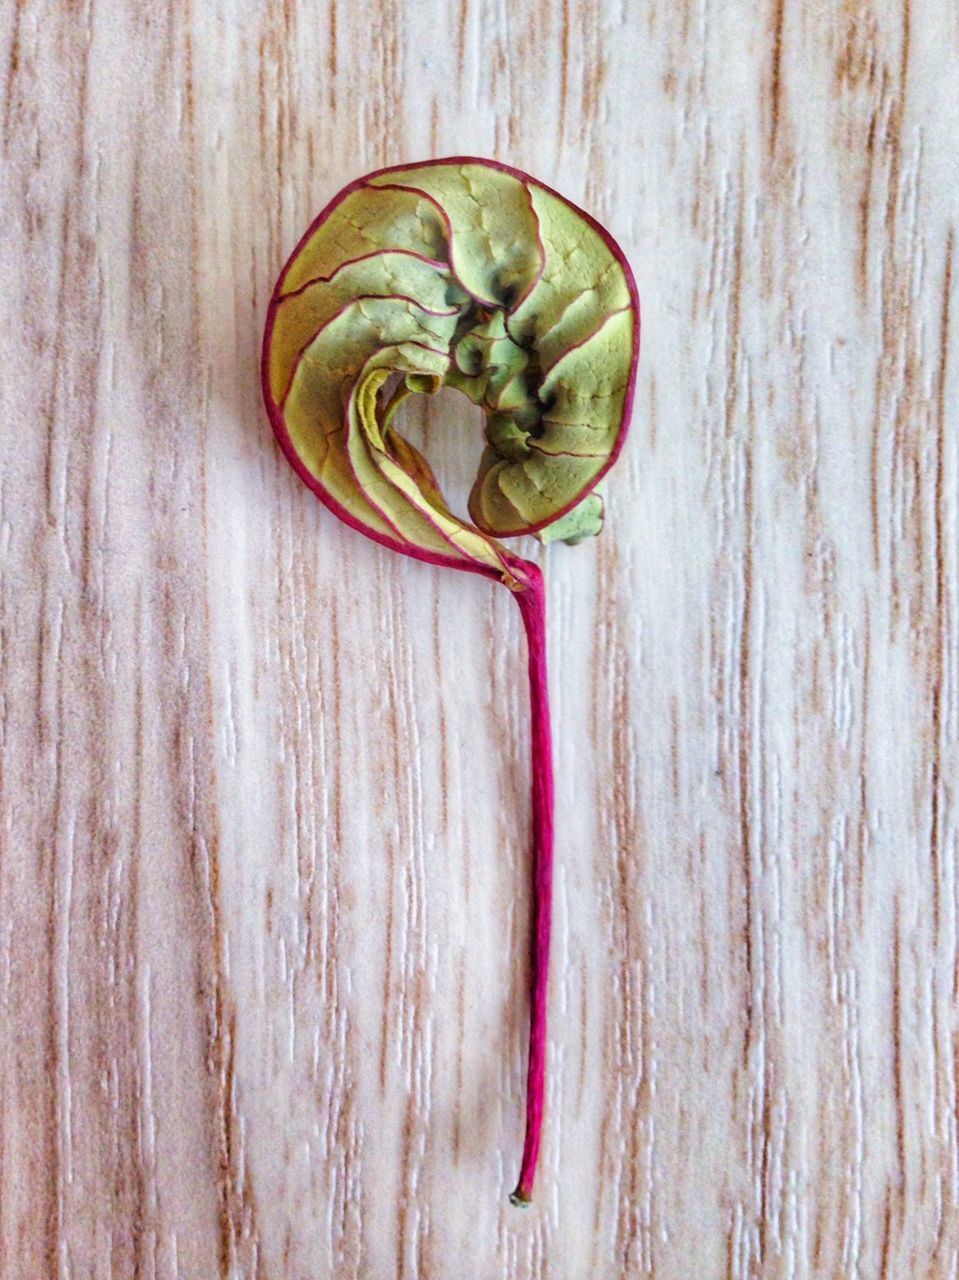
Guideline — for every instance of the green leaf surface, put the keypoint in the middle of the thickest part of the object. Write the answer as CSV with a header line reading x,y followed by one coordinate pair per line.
x,y
467,275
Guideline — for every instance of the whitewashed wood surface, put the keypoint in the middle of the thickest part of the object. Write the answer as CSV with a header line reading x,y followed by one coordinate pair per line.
x,y
263,873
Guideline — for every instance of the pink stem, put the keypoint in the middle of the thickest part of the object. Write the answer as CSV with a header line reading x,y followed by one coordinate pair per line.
x,y
532,605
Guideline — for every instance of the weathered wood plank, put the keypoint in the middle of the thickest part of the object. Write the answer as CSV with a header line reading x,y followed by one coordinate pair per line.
x,y
263,905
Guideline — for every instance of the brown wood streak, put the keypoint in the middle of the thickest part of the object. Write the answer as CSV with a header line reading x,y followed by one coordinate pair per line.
x,y
13,67
564,67
865,207
236,1200
940,600
386,1029
899,1191
625,858
855,67
745,755
776,91
893,301
886,1236
138,1210
746,802
53,1183
733,371
462,27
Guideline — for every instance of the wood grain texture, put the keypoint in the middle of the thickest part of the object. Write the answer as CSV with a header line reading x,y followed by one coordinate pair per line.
x,y
263,904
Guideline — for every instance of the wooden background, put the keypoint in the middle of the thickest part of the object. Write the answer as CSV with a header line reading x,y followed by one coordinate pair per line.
x,y
263,908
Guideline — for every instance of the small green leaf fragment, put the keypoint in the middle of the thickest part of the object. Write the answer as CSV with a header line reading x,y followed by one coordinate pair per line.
x,y
584,521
